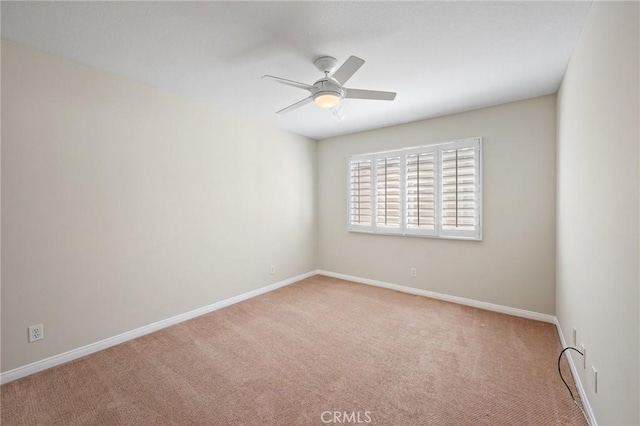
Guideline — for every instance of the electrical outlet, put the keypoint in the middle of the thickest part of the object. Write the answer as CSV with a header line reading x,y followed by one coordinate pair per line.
x,y
575,337
584,356
272,269
414,272
36,332
595,379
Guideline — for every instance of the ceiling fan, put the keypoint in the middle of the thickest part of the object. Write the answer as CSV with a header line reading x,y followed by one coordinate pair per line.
x,y
327,92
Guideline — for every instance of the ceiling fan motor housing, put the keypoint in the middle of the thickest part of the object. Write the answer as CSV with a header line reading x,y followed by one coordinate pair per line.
x,y
327,86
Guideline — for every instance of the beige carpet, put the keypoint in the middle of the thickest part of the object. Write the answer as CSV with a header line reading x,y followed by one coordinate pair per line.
x,y
320,345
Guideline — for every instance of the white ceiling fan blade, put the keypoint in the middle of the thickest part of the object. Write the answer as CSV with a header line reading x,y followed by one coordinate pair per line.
x,y
369,94
347,69
296,105
289,82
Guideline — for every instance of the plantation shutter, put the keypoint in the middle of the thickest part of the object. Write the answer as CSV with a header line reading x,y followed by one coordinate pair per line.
x,y
388,193
360,193
460,189
421,191
431,191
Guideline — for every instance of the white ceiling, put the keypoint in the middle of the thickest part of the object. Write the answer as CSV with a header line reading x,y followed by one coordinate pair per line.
x,y
441,57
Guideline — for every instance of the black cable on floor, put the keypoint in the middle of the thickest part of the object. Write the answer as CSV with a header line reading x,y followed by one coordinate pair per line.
x,y
565,382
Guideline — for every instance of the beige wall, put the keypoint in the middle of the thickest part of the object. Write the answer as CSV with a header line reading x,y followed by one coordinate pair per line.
x,y
598,184
514,265
123,205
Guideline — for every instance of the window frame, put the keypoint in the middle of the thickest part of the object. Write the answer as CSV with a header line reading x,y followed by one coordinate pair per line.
x,y
403,229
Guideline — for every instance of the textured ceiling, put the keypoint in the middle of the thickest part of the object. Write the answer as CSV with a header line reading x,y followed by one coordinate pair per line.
x,y
441,57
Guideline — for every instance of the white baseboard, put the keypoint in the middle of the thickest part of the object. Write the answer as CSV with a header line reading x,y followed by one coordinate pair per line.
x,y
35,367
448,298
591,418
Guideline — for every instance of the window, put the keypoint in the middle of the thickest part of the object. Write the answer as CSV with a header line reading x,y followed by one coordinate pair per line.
x,y
432,191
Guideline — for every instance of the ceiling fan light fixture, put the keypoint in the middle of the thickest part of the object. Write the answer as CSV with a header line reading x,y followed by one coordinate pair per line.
x,y
326,100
